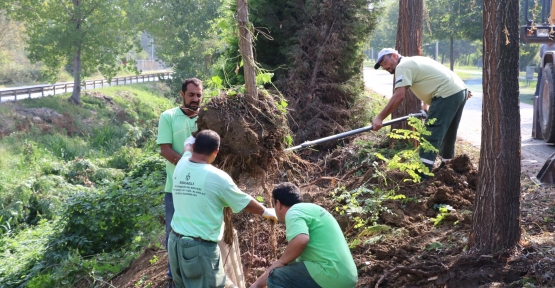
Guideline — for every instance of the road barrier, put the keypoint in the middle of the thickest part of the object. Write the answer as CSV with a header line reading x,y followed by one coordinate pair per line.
x,y
47,90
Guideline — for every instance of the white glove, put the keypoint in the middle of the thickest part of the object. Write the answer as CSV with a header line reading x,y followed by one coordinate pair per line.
x,y
270,214
190,140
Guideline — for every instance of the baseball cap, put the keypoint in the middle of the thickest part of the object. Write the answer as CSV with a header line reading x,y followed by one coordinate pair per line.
x,y
385,51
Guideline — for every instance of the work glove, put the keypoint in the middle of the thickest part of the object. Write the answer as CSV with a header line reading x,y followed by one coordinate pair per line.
x,y
270,214
190,140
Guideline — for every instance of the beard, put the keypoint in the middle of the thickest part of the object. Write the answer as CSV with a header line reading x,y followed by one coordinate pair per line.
x,y
193,106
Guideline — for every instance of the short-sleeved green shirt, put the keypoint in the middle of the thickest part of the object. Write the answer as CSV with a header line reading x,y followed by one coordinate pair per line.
x,y
200,193
174,127
427,78
326,256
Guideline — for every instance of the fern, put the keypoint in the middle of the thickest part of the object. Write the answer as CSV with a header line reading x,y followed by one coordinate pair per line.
x,y
409,160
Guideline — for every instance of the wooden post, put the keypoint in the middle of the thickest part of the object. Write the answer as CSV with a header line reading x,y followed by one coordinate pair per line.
x,y
245,46
231,256
54,90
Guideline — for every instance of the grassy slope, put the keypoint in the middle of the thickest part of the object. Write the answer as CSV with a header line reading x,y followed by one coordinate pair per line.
x,y
43,167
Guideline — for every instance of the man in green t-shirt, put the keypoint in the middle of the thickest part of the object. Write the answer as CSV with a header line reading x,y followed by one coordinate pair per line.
x,y
438,87
174,126
317,254
200,193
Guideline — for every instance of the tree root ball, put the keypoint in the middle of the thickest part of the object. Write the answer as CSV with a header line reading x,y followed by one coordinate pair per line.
x,y
252,134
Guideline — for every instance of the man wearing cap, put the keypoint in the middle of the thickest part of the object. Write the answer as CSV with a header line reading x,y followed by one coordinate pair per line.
x,y
438,87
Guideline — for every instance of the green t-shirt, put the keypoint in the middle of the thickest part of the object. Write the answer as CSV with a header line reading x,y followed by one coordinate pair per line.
x,y
200,193
427,78
326,256
174,127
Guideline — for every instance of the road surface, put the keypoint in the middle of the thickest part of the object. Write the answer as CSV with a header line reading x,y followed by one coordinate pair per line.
x,y
534,152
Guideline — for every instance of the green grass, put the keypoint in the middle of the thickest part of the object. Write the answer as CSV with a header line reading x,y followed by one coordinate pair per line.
x,y
60,183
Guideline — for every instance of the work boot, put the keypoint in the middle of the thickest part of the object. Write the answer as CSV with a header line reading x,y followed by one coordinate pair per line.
x,y
443,163
423,177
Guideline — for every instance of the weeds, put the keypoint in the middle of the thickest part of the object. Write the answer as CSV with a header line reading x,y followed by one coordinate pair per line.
x,y
63,190
409,160
444,210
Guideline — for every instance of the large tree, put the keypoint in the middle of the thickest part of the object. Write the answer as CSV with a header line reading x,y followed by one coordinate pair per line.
x,y
92,35
409,43
182,31
382,36
496,222
454,20
315,50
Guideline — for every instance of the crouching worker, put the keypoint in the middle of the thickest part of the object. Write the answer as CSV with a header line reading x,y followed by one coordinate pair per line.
x,y
317,254
200,192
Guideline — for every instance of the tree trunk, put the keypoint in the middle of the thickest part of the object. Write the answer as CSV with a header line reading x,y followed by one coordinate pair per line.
x,y
76,95
496,222
452,56
409,43
245,45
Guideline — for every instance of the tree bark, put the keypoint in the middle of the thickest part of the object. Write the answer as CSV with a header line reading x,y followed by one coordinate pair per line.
x,y
496,222
409,43
76,94
245,47
452,55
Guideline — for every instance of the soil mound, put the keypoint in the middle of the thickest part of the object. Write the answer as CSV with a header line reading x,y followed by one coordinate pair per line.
x,y
413,243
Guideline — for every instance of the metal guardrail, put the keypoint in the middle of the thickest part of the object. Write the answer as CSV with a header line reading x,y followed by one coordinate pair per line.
x,y
63,87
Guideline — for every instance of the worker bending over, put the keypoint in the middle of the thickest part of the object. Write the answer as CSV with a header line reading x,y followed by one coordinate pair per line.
x,y
436,86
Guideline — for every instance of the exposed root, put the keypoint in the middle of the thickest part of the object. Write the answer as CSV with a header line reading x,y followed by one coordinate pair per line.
x,y
403,269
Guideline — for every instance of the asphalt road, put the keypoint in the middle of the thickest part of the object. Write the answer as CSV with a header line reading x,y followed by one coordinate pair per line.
x,y
534,152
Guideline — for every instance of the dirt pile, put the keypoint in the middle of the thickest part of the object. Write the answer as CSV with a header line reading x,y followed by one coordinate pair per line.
x,y
418,241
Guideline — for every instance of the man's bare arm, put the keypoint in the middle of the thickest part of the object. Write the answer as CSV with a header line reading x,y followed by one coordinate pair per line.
x,y
394,102
254,207
167,152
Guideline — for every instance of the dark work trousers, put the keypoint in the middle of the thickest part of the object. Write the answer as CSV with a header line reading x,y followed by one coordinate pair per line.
x,y
168,201
294,275
447,112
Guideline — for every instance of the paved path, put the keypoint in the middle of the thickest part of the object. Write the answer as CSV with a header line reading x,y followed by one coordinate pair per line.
x,y
534,152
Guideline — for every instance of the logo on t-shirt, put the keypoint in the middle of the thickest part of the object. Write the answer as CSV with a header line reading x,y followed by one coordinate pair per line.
x,y
399,79
188,176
